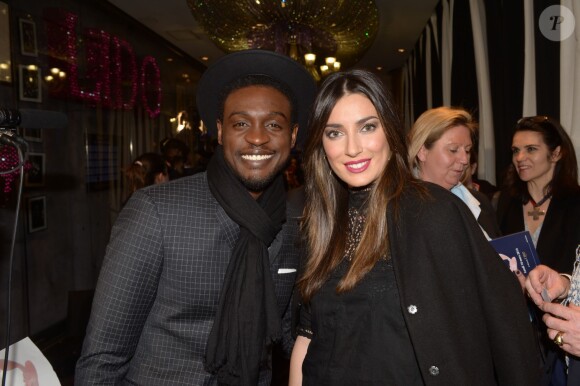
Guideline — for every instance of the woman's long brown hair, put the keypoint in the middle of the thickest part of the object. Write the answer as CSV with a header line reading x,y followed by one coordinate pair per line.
x,y
325,218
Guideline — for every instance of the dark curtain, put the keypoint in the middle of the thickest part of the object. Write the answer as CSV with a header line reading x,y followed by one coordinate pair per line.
x,y
505,39
436,77
547,67
419,88
464,91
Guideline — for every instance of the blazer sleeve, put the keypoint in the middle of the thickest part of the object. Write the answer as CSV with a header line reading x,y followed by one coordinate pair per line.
x,y
515,356
124,294
452,281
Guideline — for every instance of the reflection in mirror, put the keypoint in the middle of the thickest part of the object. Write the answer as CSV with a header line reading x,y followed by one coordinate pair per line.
x,y
5,64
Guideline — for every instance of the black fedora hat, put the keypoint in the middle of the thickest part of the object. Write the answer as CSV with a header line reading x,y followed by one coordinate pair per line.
x,y
255,62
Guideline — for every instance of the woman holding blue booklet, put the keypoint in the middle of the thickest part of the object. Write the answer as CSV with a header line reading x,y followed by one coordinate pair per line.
x,y
541,195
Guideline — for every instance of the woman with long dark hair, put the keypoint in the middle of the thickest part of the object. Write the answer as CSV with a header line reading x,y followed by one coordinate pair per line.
x,y
541,195
541,192
400,286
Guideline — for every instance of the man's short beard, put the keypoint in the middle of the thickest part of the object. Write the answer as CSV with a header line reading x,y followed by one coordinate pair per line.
x,y
260,185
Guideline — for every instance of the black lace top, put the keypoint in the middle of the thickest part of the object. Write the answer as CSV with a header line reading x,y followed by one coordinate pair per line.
x,y
358,337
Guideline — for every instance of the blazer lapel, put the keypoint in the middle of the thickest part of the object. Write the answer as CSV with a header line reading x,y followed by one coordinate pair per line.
x,y
228,226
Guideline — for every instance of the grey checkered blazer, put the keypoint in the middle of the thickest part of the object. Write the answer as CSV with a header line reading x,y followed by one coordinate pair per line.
x,y
159,287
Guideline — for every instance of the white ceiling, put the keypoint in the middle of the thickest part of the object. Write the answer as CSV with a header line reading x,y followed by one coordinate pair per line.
x,y
401,23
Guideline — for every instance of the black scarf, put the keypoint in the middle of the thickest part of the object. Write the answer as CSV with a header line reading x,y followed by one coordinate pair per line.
x,y
247,320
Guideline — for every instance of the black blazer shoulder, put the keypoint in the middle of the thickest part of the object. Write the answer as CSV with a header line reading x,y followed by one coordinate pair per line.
x,y
487,219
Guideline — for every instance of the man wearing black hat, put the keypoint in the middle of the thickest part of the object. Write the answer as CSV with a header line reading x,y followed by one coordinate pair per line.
x,y
196,284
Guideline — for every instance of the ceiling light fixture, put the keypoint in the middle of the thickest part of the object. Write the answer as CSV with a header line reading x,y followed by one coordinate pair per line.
x,y
328,28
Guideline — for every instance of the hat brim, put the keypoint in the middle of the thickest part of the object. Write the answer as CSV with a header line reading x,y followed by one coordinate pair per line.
x,y
254,62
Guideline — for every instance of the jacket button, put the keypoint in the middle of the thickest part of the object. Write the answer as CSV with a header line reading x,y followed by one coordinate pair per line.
x,y
434,370
412,309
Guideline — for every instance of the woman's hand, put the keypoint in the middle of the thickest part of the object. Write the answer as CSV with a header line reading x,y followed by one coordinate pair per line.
x,y
543,278
566,321
298,354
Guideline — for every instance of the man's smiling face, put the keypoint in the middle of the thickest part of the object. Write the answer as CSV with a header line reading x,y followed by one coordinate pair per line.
x,y
257,135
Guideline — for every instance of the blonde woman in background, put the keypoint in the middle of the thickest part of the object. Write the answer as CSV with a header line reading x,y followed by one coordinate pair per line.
x,y
440,144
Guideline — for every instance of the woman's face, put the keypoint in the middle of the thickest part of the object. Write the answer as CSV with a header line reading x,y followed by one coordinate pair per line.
x,y
161,178
532,158
354,141
447,159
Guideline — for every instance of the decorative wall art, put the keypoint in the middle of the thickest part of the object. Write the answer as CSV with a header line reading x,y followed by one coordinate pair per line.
x,y
35,175
30,86
36,214
5,61
28,37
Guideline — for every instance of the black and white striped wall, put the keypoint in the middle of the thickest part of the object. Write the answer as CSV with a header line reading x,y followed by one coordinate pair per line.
x,y
492,58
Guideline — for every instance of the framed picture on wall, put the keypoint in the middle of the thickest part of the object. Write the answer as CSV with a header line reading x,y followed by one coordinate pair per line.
x,y
32,135
28,37
102,162
5,61
36,214
35,175
30,87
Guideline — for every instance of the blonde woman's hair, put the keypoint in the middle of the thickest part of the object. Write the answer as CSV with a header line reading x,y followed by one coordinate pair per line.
x,y
432,124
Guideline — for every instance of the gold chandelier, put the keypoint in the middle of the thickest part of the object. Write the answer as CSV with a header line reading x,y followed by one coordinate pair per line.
x,y
339,30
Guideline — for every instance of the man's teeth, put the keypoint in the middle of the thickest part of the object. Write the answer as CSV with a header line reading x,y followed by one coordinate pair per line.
x,y
256,157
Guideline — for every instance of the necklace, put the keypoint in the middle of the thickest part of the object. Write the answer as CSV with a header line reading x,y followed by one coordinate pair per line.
x,y
537,212
356,222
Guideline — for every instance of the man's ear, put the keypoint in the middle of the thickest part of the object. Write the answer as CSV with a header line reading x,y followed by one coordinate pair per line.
x,y
556,154
219,133
294,136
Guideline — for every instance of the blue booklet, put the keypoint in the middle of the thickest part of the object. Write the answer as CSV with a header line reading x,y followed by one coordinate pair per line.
x,y
517,251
